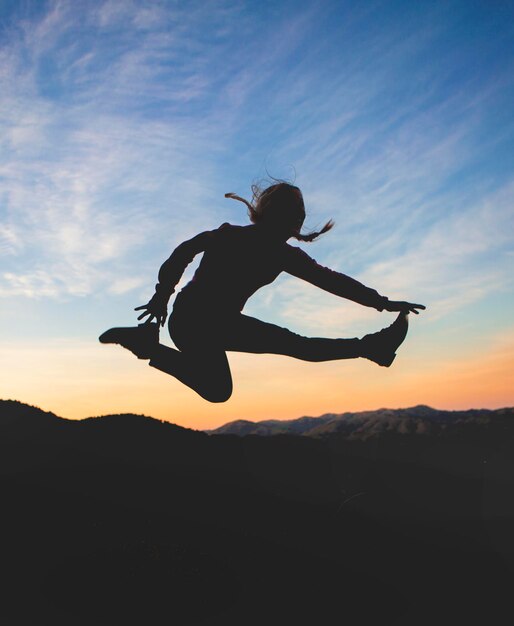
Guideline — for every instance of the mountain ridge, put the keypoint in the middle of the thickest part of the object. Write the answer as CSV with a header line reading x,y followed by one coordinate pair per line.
x,y
12,410
22,418
419,419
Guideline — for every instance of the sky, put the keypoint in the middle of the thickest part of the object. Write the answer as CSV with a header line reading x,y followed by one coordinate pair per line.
x,y
124,122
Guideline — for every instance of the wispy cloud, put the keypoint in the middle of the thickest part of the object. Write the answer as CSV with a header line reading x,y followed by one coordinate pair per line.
x,y
116,119
87,177
421,211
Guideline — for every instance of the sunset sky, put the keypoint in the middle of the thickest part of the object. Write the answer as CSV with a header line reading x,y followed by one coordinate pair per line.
x,y
123,123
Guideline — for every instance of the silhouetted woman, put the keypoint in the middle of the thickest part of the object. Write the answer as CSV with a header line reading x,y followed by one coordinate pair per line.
x,y
206,320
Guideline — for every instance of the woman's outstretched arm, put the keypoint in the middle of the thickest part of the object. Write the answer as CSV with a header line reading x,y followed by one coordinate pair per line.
x,y
169,275
300,264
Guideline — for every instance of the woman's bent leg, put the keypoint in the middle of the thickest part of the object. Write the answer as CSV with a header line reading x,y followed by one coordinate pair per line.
x,y
207,371
248,334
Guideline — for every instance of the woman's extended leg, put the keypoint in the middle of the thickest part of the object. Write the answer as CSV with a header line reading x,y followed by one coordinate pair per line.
x,y
248,334
206,371
201,365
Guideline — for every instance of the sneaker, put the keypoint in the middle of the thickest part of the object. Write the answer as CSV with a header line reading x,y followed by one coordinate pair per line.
x,y
140,340
381,347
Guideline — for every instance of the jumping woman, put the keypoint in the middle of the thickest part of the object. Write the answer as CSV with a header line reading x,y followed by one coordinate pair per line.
x,y
207,321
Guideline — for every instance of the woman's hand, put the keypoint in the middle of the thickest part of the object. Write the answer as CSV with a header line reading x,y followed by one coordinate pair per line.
x,y
405,307
157,309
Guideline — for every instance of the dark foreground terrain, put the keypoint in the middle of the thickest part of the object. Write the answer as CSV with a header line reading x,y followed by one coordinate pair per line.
x,y
126,520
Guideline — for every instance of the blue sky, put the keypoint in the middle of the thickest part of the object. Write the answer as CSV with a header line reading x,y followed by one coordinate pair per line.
x,y
122,124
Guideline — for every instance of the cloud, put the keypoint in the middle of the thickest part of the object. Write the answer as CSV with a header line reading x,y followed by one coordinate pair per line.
x,y
458,260
10,241
420,212
87,178
125,285
101,154
35,284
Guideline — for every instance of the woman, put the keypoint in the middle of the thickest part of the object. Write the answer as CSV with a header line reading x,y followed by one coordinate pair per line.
x,y
206,320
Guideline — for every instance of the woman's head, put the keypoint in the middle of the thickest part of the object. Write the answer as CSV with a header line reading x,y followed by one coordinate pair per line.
x,y
280,208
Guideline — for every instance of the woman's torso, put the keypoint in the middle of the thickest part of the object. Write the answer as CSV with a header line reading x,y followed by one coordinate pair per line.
x,y
238,261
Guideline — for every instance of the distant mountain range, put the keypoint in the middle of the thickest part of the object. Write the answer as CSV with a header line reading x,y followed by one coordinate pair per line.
x,y
419,419
20,419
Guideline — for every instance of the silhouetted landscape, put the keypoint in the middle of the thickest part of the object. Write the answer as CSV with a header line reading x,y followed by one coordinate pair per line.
x,y
391,516
420,420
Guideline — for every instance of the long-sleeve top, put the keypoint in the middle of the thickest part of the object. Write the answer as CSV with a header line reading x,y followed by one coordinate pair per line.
x,y
239,260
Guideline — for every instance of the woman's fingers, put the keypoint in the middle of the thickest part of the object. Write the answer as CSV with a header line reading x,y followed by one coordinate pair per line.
x,y
160,319
145,312
409,307
406,307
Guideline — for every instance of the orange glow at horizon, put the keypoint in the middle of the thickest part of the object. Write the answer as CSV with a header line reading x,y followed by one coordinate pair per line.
x,y
78,380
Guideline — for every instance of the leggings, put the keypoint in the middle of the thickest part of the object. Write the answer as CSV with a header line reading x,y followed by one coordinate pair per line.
x,y
202,341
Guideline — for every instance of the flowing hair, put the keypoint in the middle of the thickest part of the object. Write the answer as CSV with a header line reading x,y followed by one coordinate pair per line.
x,y
283,203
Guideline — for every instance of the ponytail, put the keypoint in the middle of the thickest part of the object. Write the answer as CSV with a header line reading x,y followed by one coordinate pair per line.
x,y
316,233
234,196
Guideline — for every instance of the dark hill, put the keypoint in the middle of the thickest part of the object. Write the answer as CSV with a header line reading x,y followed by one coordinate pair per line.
x,y
124,519
14,414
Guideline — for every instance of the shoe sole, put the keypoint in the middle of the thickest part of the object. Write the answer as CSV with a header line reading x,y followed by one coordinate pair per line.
x,y
138,349
106,337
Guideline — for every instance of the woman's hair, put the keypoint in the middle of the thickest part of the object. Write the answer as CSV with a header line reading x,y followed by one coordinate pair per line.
x,y
280,204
